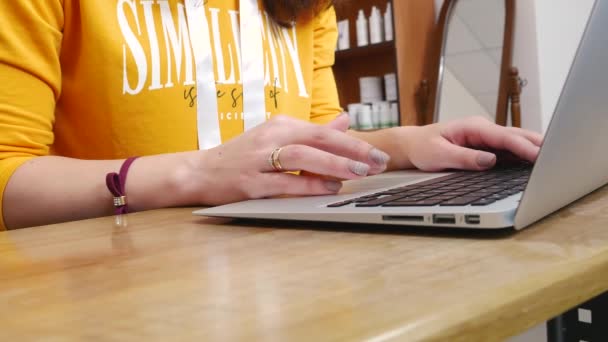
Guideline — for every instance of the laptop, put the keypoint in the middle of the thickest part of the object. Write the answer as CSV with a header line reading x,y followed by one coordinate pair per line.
x,y
572,163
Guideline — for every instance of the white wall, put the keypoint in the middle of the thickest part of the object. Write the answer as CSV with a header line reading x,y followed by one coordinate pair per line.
x,y
560,25
547,35
457,101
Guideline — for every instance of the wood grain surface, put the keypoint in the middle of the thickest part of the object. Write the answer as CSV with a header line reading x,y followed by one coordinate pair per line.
x,y
167,275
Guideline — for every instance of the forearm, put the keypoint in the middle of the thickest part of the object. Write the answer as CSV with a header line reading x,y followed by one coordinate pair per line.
x,y
55,189
392,142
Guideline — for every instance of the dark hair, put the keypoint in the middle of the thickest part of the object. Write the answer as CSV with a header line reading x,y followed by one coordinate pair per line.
x,y
285,12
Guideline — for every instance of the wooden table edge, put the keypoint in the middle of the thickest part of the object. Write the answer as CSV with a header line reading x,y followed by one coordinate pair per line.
x,y
510,315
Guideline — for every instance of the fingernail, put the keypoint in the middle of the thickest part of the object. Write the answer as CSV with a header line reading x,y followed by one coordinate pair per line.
x,y
342,114
486,159
358,168
379,157
333,186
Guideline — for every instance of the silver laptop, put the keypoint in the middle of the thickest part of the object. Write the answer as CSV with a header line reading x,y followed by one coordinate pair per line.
x,y
572,163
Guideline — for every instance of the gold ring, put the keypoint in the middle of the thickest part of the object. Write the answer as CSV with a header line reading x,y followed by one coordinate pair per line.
x,y
273,160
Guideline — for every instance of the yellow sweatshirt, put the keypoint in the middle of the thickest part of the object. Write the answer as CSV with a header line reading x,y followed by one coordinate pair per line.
x,y
117,78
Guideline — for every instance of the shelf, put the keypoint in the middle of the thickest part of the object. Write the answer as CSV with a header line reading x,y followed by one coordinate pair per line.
x,y
406,56
366,51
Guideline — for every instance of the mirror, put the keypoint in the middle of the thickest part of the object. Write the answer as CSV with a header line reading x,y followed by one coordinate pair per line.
x,y
470,70
468,82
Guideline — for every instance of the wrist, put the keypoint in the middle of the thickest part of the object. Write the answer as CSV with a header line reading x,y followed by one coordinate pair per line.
x,y
402,139
188,180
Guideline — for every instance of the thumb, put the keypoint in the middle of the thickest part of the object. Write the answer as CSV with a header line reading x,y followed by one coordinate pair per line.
x,y
458,157
341,123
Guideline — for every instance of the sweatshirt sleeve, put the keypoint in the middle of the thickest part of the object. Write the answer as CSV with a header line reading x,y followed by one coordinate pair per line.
x,y
30,82
325,102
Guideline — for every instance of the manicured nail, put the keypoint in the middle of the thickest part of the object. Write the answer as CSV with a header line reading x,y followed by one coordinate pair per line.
x,y
358,168
486,159
379,157
333,186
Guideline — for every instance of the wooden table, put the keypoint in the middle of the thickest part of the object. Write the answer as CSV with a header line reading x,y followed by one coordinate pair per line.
x,y
170,276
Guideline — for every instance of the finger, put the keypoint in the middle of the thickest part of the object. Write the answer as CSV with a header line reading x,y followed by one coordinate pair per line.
x,y
310,159
458,157
340,123
276,184
290,132
534,137
498,137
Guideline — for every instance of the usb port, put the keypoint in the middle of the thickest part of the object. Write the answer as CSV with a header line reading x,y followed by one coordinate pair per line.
x,y
472,219
444,219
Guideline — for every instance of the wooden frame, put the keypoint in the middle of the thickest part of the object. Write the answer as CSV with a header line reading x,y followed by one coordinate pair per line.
x,y
414,23
426,96
502,107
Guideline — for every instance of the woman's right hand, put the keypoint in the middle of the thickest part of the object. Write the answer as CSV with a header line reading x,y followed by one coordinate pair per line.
x,y
240,169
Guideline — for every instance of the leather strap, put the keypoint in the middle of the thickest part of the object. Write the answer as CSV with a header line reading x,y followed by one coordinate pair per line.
x,y
116,183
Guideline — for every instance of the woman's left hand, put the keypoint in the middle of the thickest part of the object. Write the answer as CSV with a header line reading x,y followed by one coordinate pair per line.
x,y
462,144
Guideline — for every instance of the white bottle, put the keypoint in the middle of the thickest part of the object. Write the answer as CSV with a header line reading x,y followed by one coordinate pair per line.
x,y
388,23
371,89
385,115
362,33
343,35
394,114
353,114
365,118
390,87
376,28
376,113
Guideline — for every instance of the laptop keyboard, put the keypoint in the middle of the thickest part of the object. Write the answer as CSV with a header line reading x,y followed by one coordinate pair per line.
x,y
457,189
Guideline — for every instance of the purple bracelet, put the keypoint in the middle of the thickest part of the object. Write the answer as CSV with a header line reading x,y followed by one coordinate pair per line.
x,y
116,184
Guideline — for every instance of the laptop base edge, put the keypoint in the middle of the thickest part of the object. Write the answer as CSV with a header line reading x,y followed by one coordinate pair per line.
x,y
497,220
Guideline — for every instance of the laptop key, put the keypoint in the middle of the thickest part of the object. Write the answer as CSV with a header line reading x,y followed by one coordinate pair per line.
x,y
440,179
433,192
445,197
461,193
498,196
483,201
389,192
400,189
486,191
412,194
378,202
451,187
421,203
401,204
363,200
458,201
417,196
339,204
477,186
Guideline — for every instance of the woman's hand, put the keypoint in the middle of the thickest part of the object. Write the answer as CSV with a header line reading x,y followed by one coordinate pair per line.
x,y
240,169
463,144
